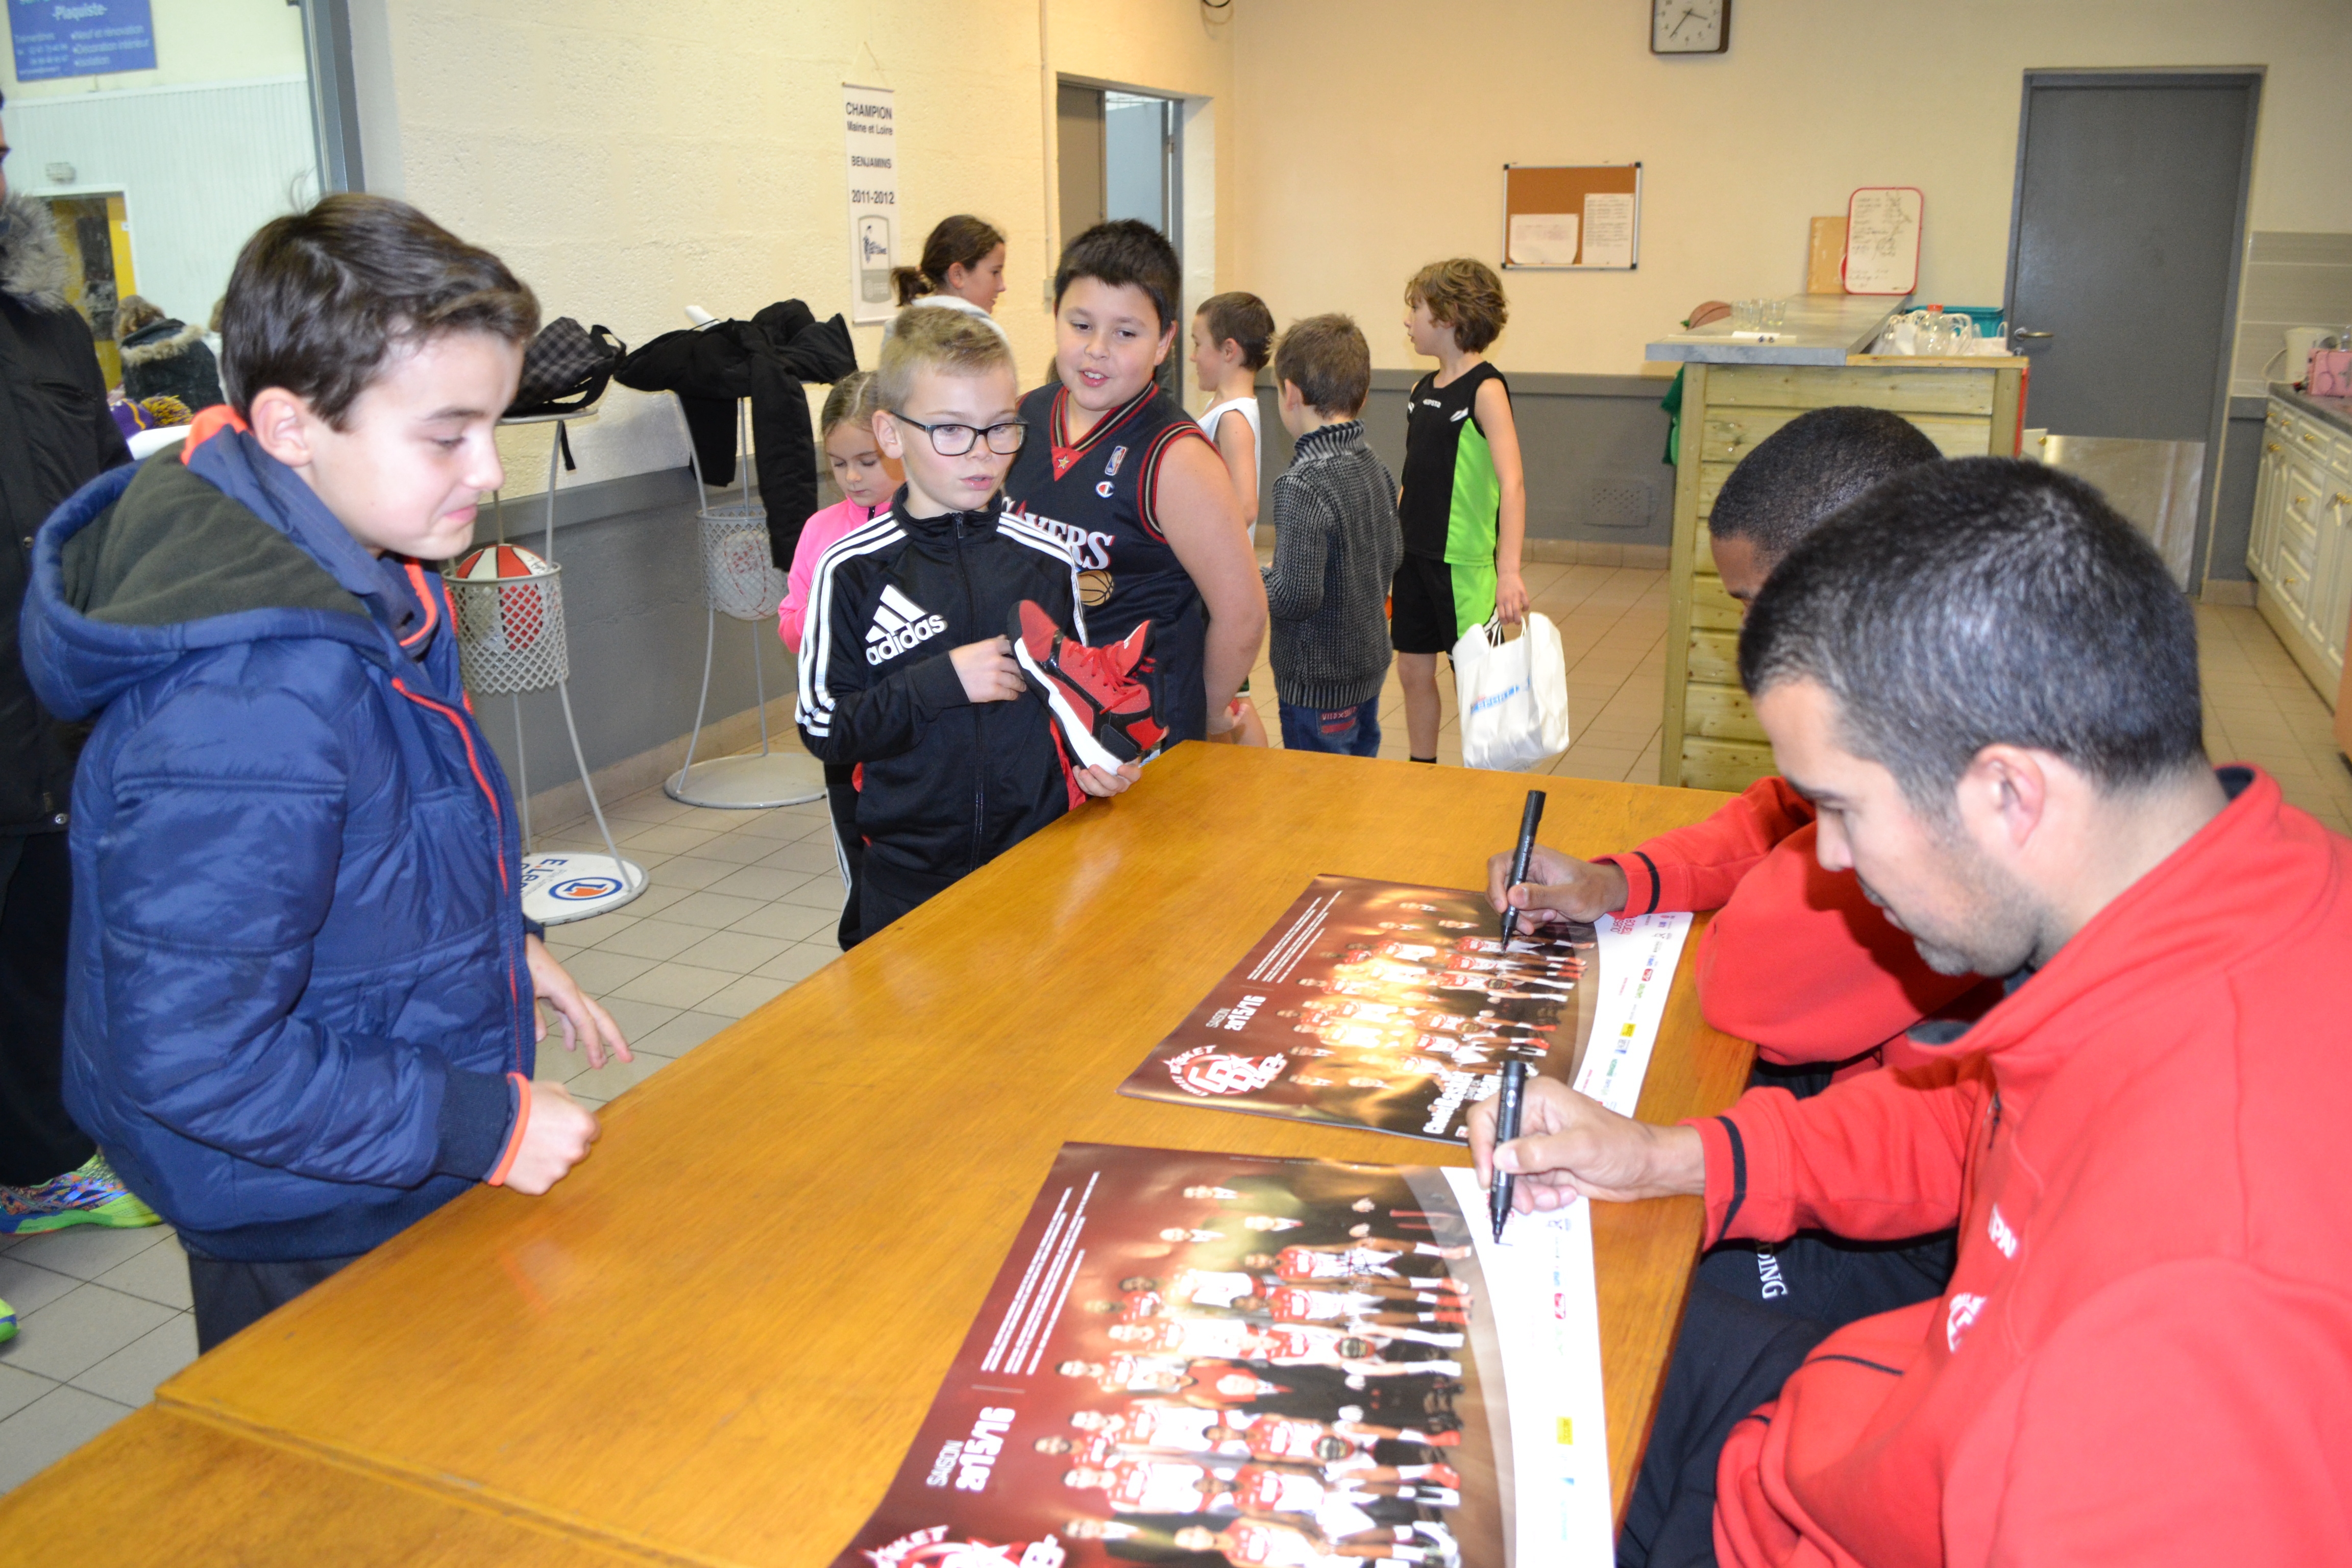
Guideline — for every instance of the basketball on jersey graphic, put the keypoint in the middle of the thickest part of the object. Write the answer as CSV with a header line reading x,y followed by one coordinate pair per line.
x,y
1094,589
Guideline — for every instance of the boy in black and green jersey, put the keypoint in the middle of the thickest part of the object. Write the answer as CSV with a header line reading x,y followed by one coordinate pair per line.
x,y
1463,500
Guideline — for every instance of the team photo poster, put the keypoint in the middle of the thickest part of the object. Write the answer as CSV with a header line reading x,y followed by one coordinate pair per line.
x,y
1214,1360
1393,1007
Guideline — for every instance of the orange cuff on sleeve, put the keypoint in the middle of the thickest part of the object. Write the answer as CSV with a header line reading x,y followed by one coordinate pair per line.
x,y
497,1176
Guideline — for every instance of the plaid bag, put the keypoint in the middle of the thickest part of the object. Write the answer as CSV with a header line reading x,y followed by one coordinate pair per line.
x,y
566,367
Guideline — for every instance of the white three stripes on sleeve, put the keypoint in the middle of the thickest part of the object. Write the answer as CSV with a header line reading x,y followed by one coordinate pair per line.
x,y
816,708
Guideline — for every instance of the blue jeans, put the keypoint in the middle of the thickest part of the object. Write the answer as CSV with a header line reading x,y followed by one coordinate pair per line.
x,y
1349,732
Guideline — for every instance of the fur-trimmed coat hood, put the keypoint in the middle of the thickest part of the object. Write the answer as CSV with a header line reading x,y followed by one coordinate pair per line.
x,y
32,258
171,359
160,341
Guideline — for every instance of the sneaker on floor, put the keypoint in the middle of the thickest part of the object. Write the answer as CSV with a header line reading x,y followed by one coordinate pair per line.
x,y
1106,713
93,1195
7,1323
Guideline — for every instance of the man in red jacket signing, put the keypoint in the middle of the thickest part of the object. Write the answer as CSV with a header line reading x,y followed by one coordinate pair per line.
x,y
1799,960
1986,684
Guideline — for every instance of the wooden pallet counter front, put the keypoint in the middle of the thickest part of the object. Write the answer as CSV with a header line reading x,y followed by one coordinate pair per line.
x,y
1967,406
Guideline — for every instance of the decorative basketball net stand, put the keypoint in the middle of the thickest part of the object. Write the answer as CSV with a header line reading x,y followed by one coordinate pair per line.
x,y
740,579
510,640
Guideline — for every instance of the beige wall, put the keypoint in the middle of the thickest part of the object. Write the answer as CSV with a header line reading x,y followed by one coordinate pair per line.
x,y
630,159
1374,133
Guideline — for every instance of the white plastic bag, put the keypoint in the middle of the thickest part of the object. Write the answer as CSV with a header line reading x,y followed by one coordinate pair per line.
x,y
1512,695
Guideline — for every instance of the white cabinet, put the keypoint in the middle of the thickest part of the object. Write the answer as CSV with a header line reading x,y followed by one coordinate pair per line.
x,y
2301,550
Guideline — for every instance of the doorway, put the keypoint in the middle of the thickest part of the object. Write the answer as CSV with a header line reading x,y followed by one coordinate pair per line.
x,y
1121,156
94,231
2127,231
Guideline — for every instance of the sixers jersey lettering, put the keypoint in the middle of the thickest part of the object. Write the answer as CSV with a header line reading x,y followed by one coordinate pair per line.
x,y
1098,495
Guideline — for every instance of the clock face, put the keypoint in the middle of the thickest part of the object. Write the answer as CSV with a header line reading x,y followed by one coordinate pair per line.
x,y
1689,26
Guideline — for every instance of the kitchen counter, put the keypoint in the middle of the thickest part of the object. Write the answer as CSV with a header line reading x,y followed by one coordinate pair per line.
x,y
2334,411
1821,329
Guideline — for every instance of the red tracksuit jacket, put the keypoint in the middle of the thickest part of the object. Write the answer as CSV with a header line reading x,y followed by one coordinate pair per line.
x,y
1799,960
2146,1353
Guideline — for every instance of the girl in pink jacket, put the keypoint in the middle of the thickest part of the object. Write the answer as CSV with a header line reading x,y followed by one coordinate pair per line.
x,y
866,481
866,478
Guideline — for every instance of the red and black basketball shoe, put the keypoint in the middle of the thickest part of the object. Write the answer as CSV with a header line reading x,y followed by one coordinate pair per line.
x,y
1101,698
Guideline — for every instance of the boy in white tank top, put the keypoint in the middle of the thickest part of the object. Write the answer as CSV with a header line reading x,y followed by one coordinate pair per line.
x,y
1233,337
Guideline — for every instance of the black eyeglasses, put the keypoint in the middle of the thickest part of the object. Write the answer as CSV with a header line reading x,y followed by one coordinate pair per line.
x,y
955,440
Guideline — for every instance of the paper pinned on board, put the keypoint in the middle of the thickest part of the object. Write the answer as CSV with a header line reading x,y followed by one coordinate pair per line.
x,y
1544,239
1609,228
1882,239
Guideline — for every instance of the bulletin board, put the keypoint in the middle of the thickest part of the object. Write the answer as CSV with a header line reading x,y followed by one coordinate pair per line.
x,y
1580,216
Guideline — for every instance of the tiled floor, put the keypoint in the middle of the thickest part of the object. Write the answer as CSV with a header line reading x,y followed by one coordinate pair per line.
x,y
102,1317
2260,708
743,904
1612,627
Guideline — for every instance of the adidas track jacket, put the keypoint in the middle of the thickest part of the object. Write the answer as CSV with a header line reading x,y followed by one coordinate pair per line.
x,y
945,784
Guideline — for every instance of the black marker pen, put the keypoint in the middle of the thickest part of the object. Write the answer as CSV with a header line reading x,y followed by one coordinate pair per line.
x,y
1507,1126
1519,858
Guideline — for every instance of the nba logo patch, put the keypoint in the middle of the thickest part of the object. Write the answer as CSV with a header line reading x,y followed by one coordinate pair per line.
x,y
1110,469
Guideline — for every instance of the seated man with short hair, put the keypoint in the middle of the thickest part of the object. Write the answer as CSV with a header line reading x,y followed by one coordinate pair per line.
x,y
1986,684
1799,960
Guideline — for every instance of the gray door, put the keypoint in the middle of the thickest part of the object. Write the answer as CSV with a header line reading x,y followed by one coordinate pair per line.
x,y
1079,143
2124,248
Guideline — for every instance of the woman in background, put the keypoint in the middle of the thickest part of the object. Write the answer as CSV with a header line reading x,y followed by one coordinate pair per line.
x,y
164,357
962,269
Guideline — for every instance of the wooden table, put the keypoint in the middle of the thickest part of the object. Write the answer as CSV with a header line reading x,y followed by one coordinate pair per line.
x,y
161,1486
715,1339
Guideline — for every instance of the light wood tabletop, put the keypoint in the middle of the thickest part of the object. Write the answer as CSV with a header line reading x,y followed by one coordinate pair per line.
x,y
716,1337
160,1486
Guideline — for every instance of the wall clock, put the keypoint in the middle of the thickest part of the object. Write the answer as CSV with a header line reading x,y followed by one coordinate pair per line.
x,y
1690,26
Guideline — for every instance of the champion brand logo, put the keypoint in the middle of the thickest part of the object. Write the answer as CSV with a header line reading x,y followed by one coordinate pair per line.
x,y
1103,488
899,623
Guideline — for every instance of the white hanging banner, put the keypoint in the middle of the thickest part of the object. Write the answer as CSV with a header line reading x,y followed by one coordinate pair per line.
x,y
873,134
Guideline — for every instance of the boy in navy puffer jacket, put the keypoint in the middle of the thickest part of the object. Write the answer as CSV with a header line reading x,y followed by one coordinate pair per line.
x,y
301,1007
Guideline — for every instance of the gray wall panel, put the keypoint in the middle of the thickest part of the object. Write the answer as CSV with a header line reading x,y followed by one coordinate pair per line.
x,y
633,611
1593,446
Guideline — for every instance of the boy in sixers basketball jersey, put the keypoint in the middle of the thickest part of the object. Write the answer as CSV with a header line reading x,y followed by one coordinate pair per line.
x,y
1118,471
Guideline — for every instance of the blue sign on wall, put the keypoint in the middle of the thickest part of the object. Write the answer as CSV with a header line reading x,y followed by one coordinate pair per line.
x,y
81,37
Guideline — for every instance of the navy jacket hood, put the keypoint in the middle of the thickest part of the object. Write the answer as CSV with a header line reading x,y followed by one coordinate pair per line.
x,y
149,563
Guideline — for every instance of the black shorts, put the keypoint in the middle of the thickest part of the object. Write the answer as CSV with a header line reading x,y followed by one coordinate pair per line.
x,y
1433,603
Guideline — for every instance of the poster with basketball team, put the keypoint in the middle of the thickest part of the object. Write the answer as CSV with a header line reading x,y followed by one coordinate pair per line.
x,y
1215,1360
1393,1007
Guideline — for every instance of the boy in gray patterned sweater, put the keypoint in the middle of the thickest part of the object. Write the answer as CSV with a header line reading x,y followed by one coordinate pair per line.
x,y
1335,546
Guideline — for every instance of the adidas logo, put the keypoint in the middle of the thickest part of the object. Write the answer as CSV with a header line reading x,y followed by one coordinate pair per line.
x,y
899,623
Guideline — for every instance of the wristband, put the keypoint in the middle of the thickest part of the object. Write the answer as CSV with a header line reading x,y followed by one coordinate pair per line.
x,y
497,1176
